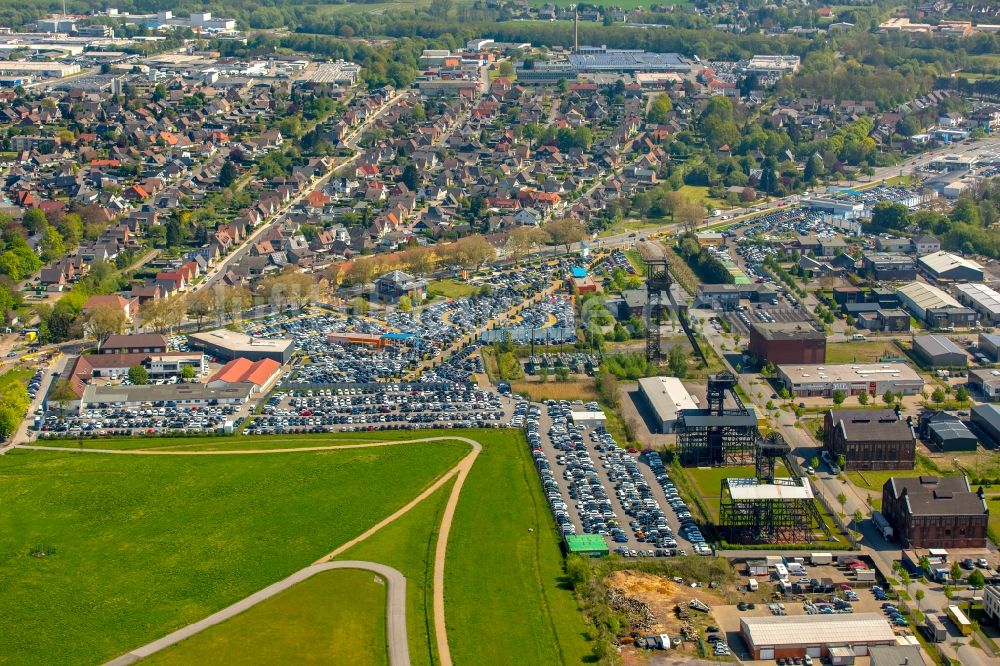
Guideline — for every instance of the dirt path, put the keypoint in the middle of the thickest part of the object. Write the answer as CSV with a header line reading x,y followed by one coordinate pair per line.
x,y
460,472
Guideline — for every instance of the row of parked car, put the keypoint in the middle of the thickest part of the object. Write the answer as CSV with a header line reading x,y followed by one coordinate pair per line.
x,y
142,421
648,521
689,528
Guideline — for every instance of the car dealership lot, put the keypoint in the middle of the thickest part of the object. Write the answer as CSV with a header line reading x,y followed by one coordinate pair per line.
x,y
593,486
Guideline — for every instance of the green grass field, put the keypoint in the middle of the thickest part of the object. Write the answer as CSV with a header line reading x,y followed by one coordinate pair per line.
x,y
301,625
868,351
449,288
104,553
506,598
708,480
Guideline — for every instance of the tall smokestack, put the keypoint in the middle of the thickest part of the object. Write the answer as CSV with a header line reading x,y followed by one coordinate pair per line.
x,y
576,30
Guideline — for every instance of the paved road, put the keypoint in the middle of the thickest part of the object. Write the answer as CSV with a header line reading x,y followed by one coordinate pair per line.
x,y
399,650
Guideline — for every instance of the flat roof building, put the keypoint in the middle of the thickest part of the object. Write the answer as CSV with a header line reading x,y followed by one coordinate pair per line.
x,y
852,379
947,266
986,382
603,59
665,397
165,394
937,351
778,637
231,344
984,300
786,342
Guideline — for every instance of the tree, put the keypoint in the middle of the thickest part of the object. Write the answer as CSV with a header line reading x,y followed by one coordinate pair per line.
x,y
925,564
472,251
405,304
838,397
920,594
888,397
977,579
228,174
363,270
863,398
687,213
566,231
506,69
138,375
814,462
188,372
814,169
200,305
163,315
890,216
525,239
52,245
842,499
103,322
938,395
659,109
858,517
34,220
956,571
962,394
411,177
677,362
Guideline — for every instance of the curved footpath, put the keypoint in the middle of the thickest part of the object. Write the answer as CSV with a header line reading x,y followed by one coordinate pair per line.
x,y
396,608
399,649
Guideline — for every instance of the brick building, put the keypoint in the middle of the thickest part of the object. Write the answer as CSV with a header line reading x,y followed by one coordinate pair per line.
x,y
870,439
935,512
782,342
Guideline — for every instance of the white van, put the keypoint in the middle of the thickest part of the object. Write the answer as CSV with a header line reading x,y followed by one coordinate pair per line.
x,y
857,337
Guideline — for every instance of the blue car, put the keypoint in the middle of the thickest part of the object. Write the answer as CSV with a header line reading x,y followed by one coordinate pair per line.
x,y
620,538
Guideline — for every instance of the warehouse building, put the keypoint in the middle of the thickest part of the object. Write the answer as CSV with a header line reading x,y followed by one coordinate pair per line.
x,y
791,636
918,298
982,299
603,59
786,342
989,345
985,382
946,432
231,345
870,439
896,655
937,351
665,397
935,512
986,419
852,379
947,266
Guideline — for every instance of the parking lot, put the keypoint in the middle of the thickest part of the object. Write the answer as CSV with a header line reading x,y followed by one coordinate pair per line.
x,y
595,487
147,420
740,320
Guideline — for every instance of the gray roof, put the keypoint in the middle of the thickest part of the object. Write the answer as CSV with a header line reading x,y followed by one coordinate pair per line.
x,y
166,393
937,496
896,655
951,430
871,425
781,330
936,344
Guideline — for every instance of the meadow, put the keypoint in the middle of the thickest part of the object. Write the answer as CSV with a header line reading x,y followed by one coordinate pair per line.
x,y
100,554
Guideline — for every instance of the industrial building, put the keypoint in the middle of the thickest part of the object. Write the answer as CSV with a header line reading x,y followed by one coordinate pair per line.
x,y
721,435
986,419
947,266
934,306
852,379
989,344
937,351
603,59
781,637
935,512
888,266
766,509
48,69
786,342
773,63
896,655
230,345
986,383
984,300
665,397
845,209
870,439
991,602
946,432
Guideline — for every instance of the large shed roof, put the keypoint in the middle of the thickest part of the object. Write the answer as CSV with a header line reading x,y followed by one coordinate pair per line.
x,y
813,629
